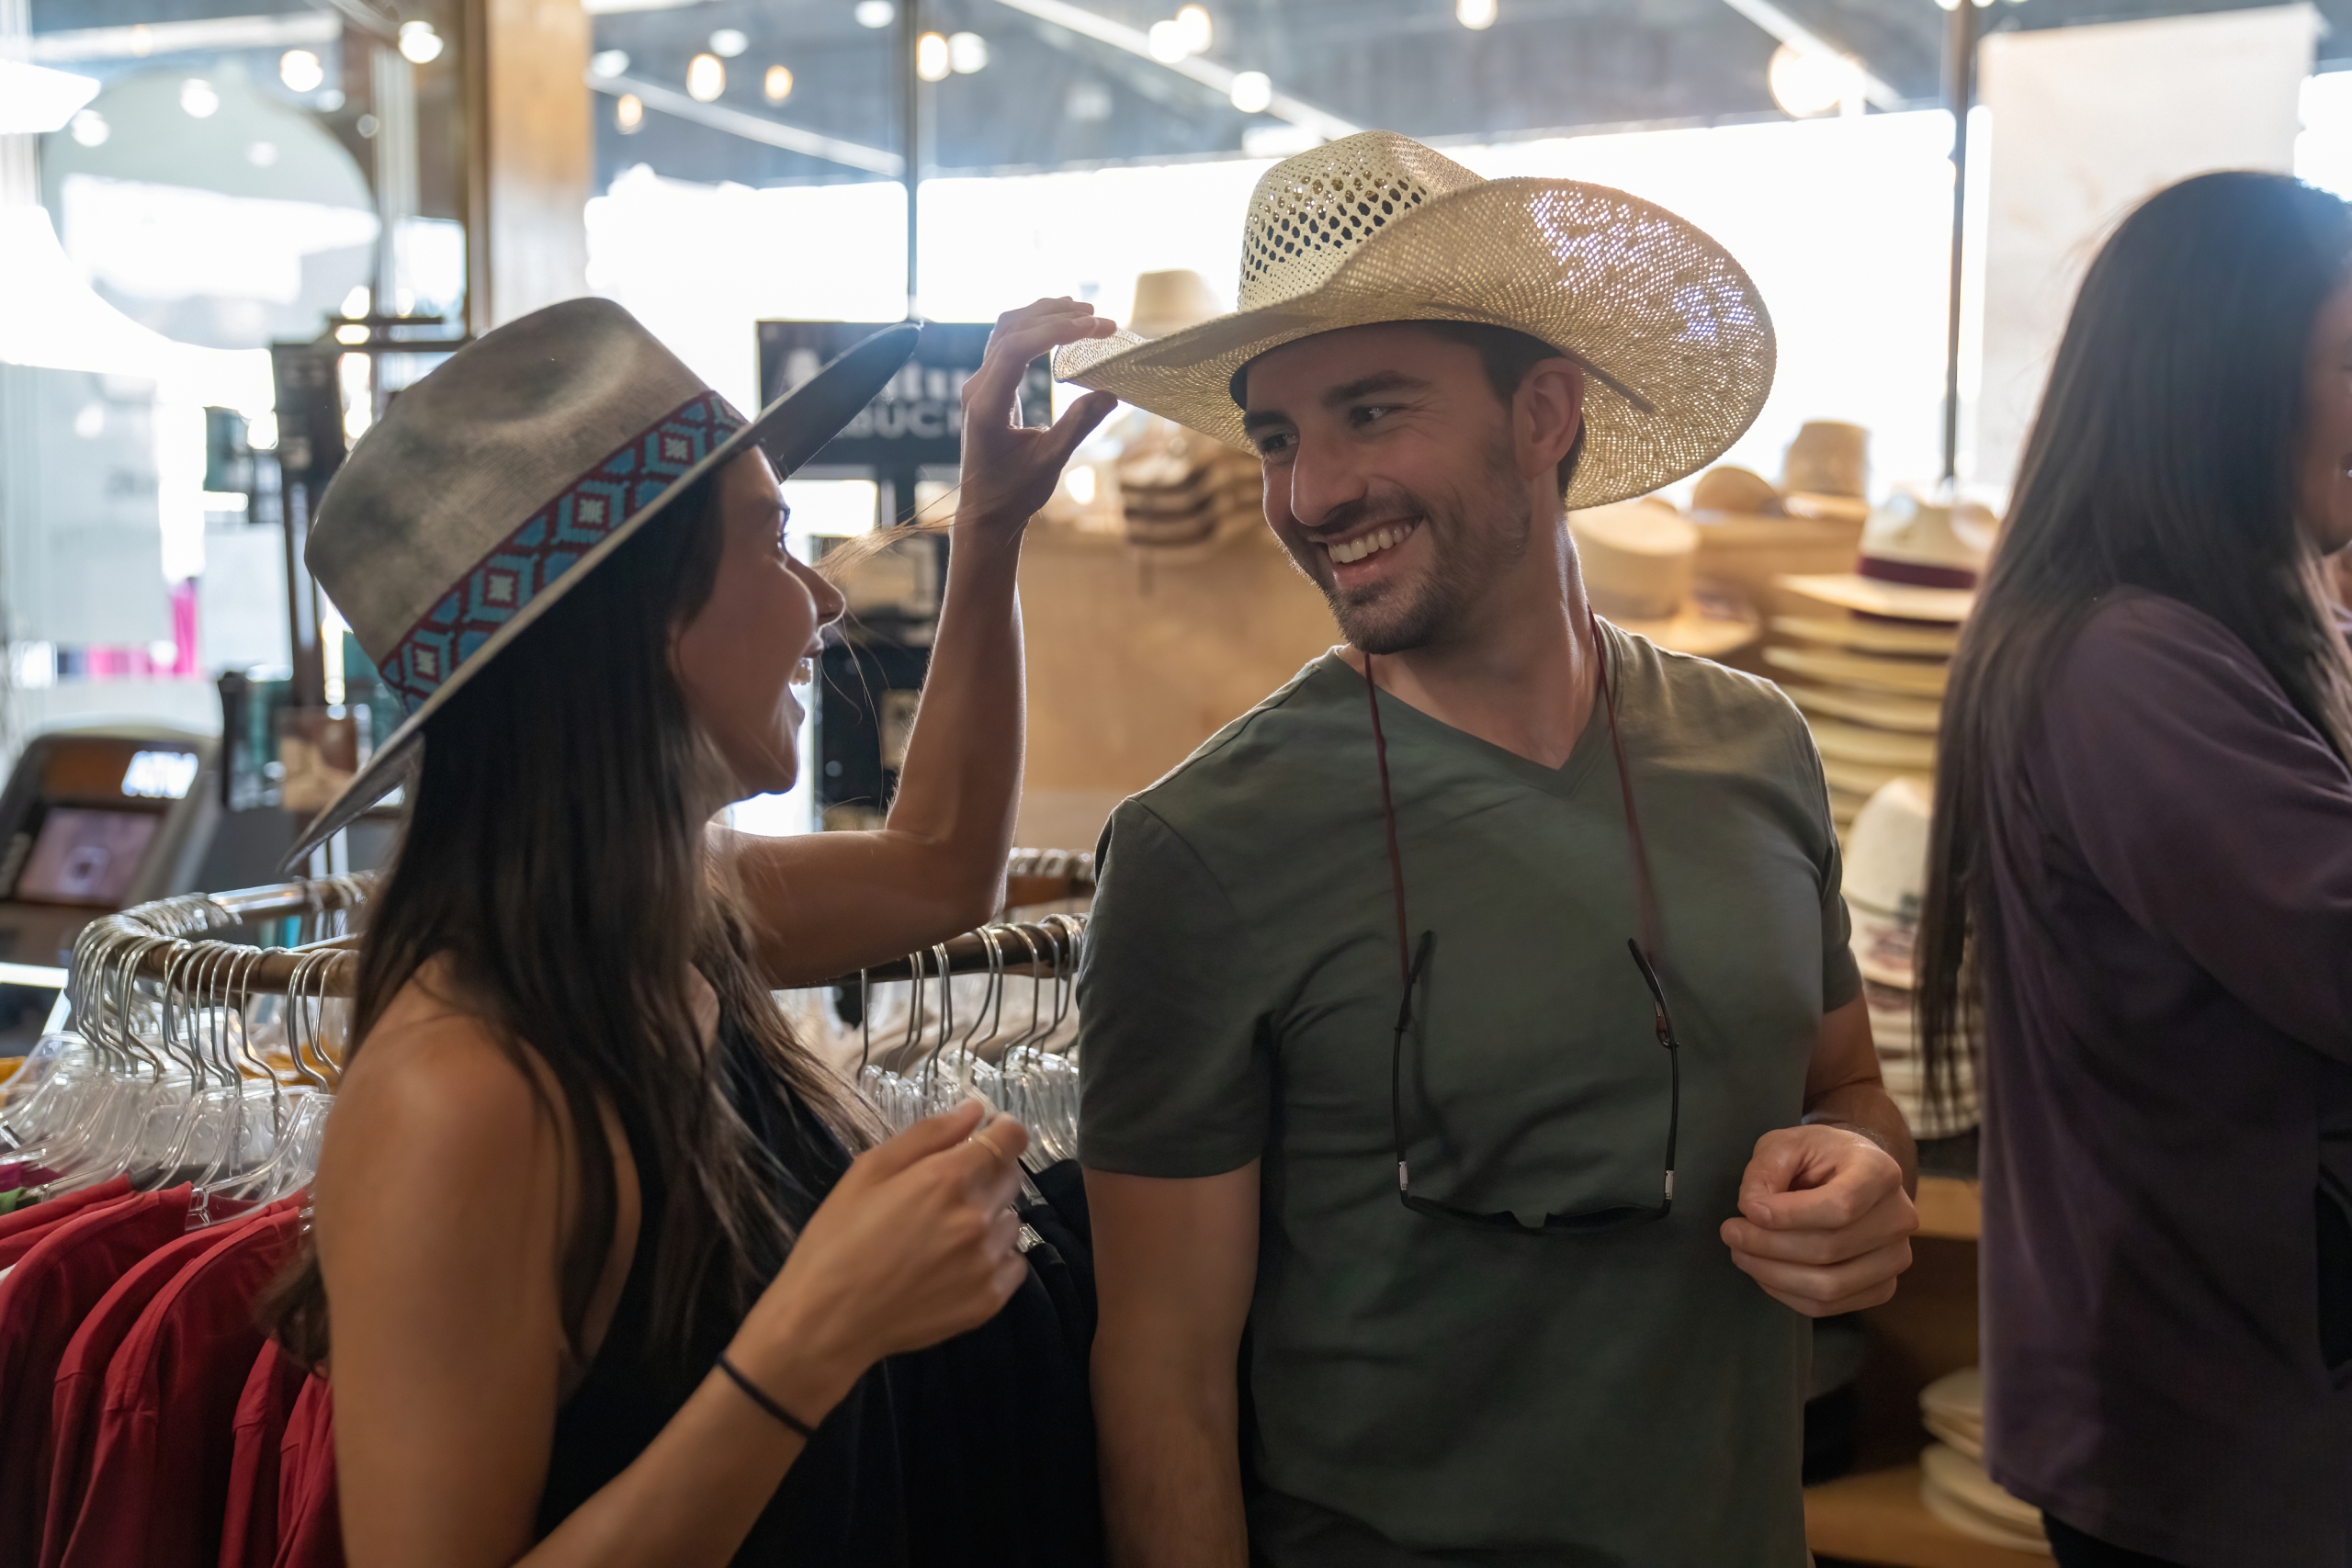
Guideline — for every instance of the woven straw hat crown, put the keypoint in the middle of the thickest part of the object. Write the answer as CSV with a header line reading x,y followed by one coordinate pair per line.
x,y
1309,213
1674,341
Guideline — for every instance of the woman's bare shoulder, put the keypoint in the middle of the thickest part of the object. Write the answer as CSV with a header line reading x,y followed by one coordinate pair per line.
x,y
436,1102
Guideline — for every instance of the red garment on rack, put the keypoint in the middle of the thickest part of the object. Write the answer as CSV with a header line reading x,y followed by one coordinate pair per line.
x,y
158,1482
75,1398
249,1528
19,1231
310,1527
43,1302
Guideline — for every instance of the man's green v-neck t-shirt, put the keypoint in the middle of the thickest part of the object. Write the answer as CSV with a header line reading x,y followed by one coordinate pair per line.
x,y
1629,1398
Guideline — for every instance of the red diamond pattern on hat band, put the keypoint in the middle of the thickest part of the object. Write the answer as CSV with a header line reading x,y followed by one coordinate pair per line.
x,y
552,541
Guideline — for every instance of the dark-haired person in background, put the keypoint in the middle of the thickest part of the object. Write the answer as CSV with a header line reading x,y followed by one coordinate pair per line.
x,y
2142,875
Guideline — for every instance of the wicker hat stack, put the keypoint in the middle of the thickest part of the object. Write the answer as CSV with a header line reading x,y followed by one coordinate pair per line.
x,y
1179,488
1867,656
1953,1483
1639,559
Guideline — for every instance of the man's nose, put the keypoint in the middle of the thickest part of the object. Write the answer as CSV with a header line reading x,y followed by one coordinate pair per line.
x,y
1322,478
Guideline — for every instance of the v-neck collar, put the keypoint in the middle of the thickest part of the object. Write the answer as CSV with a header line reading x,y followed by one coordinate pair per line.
x,y
1592,747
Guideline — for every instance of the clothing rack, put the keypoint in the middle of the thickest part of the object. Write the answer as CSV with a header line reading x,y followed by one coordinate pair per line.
x,y
171,944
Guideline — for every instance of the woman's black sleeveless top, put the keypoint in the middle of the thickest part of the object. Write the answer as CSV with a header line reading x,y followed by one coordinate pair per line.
x,y
979,1450
841,1502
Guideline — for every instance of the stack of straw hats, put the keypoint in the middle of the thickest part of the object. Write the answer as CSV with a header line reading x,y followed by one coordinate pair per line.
x,y
1886,881
1179,488
1869,653
1827,472
1639,559
1953,1483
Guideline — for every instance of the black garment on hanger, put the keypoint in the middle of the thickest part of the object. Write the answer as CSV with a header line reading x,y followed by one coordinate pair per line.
x,y
976,1452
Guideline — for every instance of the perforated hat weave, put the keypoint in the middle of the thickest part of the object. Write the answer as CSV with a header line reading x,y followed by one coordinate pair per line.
x,y
1376,228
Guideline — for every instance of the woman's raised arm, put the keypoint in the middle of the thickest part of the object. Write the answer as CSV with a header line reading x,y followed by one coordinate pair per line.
x,y
829,903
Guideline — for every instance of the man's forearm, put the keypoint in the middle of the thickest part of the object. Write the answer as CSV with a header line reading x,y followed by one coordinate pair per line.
x,y
1170,1462
1865,1108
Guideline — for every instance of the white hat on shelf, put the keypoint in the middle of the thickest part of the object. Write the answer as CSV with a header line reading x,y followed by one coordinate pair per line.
x,y
1920,561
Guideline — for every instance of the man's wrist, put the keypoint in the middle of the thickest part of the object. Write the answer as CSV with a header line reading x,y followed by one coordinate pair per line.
x,y
1830,1119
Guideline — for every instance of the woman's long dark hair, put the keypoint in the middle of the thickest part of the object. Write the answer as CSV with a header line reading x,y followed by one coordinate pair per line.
x,y
551,859
2163,459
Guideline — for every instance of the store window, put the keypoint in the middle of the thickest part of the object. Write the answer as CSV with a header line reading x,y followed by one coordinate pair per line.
x,y
185,184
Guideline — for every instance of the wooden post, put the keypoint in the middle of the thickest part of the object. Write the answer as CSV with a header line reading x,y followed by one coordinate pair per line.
x,y
531,156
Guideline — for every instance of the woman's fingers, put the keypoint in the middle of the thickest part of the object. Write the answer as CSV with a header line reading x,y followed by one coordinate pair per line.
x,y
925,1138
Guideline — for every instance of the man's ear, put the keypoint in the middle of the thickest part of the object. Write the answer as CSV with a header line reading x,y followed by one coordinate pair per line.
x,y
1547,414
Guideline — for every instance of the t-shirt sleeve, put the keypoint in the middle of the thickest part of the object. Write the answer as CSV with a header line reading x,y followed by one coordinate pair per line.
x,y
1841,977
1175,1078
2208,808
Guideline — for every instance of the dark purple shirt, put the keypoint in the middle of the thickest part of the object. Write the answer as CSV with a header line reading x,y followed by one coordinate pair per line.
x,y
2169,1032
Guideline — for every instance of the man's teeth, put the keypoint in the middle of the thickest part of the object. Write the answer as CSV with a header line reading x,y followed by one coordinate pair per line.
x,y
804,672
1378,539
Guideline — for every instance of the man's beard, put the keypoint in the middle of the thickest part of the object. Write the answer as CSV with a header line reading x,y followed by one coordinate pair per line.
x,y
1477,533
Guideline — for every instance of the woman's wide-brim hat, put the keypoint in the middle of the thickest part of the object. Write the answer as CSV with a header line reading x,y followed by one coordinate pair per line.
x,y
1375,228
494,485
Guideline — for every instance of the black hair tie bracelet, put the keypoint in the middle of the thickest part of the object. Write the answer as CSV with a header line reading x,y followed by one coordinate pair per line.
x,y
759,1396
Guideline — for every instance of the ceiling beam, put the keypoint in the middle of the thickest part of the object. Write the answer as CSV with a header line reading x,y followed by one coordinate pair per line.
x,y
1207,72
1804,40
752,127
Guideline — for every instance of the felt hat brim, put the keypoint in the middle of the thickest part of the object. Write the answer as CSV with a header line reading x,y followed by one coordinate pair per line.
x,y
791,430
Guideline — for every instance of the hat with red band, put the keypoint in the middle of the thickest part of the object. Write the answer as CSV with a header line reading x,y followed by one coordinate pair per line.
x,y
493,485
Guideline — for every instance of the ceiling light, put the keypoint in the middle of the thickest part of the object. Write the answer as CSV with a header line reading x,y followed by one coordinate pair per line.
x,y
351,334
1807,84
419,43
300,70
366,124
728,42
776,83
628,114
931,62
967,53
1476,15
90,127
1166,42
198,99
1197,29
354,304
705,78
608,62
1253,92
875,13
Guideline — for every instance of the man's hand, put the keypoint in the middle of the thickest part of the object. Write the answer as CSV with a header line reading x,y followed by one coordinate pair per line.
x,y
1824,1224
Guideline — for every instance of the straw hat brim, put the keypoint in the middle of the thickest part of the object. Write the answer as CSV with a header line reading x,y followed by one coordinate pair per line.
x,y
1689,631
1896,601
791,430
1676,340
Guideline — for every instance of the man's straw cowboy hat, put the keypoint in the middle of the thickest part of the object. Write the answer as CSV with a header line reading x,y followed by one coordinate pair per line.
x,y
1674,339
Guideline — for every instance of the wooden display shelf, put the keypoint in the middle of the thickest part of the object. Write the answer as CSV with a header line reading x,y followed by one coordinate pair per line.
x,y
1949,1208
1876,1517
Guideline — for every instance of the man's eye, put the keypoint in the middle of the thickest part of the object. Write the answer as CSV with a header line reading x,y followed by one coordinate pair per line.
x,y
1370,411
1273,445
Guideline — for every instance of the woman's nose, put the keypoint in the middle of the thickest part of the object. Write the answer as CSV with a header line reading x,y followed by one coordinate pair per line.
x,y
830,601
